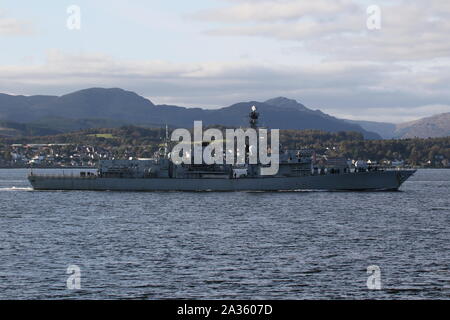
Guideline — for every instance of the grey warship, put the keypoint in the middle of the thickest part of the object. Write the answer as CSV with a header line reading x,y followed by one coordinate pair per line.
x,y
298,170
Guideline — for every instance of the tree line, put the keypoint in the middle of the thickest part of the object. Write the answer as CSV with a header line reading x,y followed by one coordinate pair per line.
x,y
143,142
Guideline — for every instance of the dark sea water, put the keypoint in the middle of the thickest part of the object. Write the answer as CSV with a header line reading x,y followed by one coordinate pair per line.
x,y
291,245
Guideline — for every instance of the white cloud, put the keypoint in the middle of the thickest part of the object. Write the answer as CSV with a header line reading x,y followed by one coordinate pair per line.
x,y
318,52
410,30
265,11
13,27
353,89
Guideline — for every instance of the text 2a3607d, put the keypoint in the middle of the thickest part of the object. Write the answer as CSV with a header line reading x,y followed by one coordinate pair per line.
x,y
248,309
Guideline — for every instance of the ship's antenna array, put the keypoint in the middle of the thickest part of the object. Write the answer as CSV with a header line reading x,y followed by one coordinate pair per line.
x,y
254,115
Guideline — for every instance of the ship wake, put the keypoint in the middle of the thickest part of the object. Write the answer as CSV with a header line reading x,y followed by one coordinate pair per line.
x,y
16,189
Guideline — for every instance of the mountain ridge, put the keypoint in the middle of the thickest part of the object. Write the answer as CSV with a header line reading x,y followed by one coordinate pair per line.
x,y
435,126
429,127
92,107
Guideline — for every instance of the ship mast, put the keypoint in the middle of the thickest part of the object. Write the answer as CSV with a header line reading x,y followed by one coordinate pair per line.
x,y
166,147
254,115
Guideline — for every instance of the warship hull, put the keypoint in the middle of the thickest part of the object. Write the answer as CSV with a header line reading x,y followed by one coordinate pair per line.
x,y
358,181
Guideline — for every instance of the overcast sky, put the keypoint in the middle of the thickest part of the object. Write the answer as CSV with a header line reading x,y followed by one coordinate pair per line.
x,y
212,53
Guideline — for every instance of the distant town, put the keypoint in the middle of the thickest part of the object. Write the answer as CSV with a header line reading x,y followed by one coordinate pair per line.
x,y
87,148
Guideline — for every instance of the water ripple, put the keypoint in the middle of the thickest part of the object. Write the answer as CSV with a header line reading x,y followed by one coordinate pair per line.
x,y
292,245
